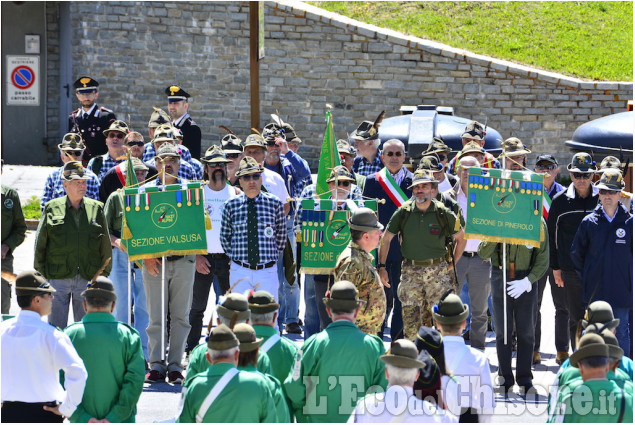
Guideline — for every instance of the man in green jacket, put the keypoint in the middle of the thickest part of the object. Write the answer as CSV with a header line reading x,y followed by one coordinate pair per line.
x,y
223,393
72,244
337,366
13,233
597,399
281,350
113,357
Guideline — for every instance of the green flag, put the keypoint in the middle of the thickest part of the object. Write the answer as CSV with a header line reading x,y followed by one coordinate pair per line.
x,y
329,158
131,177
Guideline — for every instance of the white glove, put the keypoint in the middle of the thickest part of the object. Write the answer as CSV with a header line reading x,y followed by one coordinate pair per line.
x,y
516,288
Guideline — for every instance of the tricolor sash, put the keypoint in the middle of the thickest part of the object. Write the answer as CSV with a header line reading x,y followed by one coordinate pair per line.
x,y
546,203
391,187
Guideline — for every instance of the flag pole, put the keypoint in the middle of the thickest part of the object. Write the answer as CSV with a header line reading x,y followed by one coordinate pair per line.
x,y
163,318
129,289
504,278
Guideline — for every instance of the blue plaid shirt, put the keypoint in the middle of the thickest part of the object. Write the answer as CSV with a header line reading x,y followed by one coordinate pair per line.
x,y
272,233
53,188
363,167
186,171
107,163
309,193
293,169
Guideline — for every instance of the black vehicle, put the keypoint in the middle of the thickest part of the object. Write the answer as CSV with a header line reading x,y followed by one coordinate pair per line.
x,y
608,135
419,124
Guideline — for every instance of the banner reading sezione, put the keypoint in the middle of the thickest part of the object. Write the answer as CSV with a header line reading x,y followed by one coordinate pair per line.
x,y
171,222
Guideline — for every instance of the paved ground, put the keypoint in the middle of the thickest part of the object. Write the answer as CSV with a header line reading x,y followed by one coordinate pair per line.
x,y
158,401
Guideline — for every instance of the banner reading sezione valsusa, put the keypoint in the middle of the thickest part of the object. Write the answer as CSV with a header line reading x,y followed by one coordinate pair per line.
x,y
161,223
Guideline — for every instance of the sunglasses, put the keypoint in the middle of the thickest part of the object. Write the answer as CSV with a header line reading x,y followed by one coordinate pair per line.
x,y
135,143
585,176
116,135
75,153
271,143
215,164
251,177
397,154
442,157
344,183
232,155
608,192
545,167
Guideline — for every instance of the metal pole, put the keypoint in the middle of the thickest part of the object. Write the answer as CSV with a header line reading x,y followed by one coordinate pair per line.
x,y
504,278
254,67
129,289
163,308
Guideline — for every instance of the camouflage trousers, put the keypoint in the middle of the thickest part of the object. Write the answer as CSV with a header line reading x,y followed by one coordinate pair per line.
x,y
420,288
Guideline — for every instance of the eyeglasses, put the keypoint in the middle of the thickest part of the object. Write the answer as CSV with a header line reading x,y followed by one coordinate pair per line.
x,y
271,143
585,176
344,183
116,135
75,153
608,192
442,157
215,164
397,154
248,177
232,155
135,143
545,167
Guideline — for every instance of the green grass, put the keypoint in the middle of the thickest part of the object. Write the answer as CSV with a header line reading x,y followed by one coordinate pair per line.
x,y
590,40
31,209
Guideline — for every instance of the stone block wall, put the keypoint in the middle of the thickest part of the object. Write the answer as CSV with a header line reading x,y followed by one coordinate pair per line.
x,y
136,49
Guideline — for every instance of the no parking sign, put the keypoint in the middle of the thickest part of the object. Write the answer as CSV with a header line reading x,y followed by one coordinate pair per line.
x,y
23,85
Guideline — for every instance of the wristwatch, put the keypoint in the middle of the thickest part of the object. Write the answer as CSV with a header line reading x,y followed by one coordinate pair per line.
x,y
380,265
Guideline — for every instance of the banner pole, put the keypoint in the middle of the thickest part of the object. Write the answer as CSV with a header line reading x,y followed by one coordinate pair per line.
x,y
163,318
129,289
504,278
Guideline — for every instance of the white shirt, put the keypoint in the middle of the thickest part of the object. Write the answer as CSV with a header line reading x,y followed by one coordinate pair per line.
x,y
470,369
214,201
398,404
275,185
33,352
179,121
445,184
461,199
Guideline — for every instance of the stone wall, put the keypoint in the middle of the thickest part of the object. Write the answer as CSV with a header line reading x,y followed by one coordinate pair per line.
x,y
314,57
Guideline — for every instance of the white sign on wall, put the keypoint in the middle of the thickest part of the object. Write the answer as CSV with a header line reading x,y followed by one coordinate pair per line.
x,y
23,85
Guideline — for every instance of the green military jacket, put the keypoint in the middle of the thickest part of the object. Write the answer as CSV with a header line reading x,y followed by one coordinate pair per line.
x,y
356,265
532,261
279,398
114,213
198,363
70,242
113,357
13,225
338,365
281,354
593,402
246,398
423,236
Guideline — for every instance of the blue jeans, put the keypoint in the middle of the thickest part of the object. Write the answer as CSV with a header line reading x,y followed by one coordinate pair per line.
x,y
119,277
311,315
288,295
520,312
622,332
465,298
393,268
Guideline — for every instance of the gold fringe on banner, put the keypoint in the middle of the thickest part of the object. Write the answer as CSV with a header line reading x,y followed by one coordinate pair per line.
x,y
316,270
208,221
500,239
166,254
125,230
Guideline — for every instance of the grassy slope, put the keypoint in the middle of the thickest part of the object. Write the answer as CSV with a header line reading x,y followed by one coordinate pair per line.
x,y
591,40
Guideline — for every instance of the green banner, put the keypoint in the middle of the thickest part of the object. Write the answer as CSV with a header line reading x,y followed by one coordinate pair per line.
x,y
505,206
325,233
170,222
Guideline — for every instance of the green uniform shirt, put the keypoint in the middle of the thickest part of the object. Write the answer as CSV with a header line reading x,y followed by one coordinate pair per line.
x,y
114,213
422,236
533,261
356,265
198,362
72,241
593,402
246,398
342,364
13,225
282,354
571,376
113,357
282,409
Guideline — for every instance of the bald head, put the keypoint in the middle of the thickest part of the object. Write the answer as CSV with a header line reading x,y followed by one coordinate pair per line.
x,y
463,170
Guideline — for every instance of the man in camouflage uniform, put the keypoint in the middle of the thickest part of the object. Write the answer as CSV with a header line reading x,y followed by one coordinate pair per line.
x,y
355,264
425,226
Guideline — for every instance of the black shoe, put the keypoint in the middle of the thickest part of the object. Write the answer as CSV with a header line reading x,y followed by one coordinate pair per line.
x,y
525,389
293,328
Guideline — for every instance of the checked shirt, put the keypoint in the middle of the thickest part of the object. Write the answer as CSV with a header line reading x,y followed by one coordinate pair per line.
x,y
107,163
53,188
272,234
186,157
363,167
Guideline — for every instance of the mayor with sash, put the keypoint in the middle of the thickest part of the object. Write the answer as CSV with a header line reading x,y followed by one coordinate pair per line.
x,y
391,183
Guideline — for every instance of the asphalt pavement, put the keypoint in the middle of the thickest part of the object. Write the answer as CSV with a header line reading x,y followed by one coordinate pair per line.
x,y
158,402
